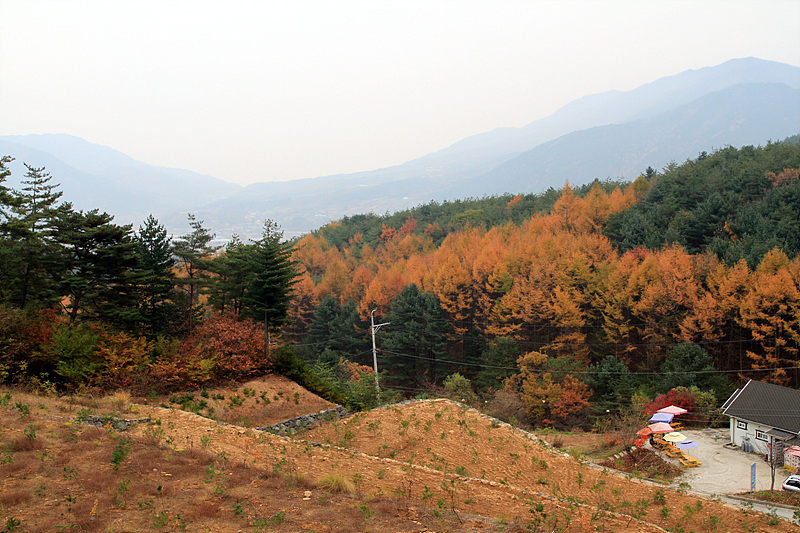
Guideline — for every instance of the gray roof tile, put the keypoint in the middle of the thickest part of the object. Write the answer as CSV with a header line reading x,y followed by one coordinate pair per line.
x,y
767,404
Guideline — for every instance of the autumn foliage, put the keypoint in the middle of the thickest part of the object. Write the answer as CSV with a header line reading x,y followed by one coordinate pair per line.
x,y
604,272
559,287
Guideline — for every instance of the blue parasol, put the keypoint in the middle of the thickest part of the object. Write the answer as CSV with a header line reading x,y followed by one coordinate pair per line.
x,y
662,417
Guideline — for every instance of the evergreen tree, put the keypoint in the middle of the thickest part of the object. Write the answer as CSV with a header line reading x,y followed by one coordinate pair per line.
x,y
326,314
339,332
416,340
7,198
611,381
688,365
98,258
155,280
31,257
498,362
270,285
351,336
232,271
193,252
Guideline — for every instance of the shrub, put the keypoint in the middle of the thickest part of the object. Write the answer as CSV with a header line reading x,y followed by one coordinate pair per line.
x,y
459,388
124,358
74,348
286,363
179,365
236,345
336,482
22,333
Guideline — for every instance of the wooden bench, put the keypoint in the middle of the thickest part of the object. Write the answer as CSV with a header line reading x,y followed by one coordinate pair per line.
x,y
688,460
672,451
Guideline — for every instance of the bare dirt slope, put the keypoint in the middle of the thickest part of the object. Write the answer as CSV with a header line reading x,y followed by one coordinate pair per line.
x,y
420,466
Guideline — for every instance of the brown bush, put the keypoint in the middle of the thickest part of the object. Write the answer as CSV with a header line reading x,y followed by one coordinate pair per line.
x,y
508,407
25,444
14,498
208,509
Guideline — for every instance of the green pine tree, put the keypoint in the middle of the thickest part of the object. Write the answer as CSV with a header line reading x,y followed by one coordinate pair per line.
x,y
193,252
31,258
414,344
269,287
98,258
154,278
232,271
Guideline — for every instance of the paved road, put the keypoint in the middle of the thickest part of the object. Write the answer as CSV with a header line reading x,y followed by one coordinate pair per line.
x,y
727,471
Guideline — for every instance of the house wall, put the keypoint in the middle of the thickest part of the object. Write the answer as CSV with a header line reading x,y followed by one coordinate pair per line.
x,y
752,433
792,461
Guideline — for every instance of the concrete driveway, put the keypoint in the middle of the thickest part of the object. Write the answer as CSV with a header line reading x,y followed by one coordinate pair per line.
x,y
725,470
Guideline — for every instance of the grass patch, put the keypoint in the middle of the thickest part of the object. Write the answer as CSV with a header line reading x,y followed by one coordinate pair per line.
x,y
775,496
336,482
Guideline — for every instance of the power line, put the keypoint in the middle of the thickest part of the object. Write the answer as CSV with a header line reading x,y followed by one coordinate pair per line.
x,y
581,372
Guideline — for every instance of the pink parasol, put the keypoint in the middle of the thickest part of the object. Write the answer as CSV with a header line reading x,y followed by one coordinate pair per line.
x,y
660,427
644,432
673,410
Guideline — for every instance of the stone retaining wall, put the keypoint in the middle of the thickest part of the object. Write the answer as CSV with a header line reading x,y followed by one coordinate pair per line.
x,y
293,425
117,423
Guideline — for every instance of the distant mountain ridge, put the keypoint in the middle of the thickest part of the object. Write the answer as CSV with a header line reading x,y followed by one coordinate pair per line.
x,y
613,134
96,176
625,150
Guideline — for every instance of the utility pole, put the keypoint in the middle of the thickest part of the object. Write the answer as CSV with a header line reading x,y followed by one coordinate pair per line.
x,y
374,328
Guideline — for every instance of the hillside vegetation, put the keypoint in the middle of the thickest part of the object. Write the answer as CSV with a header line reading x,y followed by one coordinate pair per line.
x,y
424,466
567,304
542,310
686,278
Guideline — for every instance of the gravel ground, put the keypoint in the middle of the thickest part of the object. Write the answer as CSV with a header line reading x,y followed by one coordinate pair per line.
x,y
725,470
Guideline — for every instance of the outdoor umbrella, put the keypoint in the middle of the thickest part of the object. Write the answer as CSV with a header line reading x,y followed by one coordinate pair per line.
x,y
662,417
660,427
673,410
644,432
687,444
675,437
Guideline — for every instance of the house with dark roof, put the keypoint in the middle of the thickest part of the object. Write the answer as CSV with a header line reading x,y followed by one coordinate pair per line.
x,y
764,418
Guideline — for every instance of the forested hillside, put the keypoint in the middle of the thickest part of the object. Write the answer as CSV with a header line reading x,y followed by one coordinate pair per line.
x,y
553,307
683,278
738,204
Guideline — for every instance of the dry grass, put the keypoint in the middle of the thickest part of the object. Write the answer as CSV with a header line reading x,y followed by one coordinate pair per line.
x,y
201,476
256,403
336,482
62,478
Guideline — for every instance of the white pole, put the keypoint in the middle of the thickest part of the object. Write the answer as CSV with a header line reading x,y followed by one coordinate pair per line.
x,y
374,349
373,328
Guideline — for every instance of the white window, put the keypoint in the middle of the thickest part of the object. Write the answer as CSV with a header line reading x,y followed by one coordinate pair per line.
x,y
741,425
760,435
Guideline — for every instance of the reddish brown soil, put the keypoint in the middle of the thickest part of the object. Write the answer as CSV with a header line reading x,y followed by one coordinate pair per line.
x,y
422,466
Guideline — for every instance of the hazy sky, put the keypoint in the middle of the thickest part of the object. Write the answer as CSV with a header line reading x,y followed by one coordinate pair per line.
x,y
274,90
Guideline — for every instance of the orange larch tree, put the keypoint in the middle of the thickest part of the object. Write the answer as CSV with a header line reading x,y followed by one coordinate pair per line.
x,y
771,311
301,307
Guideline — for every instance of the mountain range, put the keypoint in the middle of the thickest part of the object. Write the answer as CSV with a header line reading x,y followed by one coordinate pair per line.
x,y
609,135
